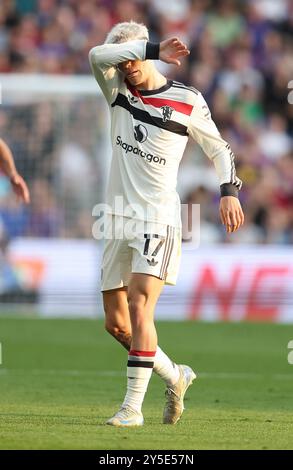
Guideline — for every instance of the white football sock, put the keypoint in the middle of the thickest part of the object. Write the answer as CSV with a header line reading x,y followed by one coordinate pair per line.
x,y
165,368
139,370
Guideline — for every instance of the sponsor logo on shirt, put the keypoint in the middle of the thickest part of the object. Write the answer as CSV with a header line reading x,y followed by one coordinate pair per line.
x,y
137,151
140,133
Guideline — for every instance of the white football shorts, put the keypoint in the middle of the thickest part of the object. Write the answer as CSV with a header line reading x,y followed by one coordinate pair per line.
x,y
133,246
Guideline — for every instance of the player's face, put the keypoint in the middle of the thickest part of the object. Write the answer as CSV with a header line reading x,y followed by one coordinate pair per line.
x,y
136,71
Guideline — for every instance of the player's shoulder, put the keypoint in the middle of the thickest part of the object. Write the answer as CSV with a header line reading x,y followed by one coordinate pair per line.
x,y
185,93
182,88
181,85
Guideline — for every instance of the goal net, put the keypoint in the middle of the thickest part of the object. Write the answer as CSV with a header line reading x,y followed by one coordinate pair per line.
x,y
55,127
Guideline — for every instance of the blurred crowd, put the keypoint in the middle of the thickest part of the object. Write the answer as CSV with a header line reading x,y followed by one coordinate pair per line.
x,y
241,60
57,148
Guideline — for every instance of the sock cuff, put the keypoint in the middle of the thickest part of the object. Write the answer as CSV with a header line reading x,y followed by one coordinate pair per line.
x,y
143,359
135,352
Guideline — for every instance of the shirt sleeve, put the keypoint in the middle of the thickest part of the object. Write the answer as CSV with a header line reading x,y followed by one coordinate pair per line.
x,y
204,131
105,58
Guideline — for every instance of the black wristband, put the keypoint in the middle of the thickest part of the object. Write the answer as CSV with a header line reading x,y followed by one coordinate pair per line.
x,y
228,189
152,51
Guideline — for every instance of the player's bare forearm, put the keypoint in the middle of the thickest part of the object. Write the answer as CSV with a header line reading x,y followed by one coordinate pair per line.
x,y
6,160
171,49
7,165
231,213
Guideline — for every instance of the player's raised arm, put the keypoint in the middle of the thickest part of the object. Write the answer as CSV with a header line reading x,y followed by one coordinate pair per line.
x,y
203,129
7,165
104,62
104,59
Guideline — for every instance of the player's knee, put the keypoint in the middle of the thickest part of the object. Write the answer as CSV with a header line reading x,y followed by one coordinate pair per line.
x,y
110,328
111,315
115,330
135,305
137,311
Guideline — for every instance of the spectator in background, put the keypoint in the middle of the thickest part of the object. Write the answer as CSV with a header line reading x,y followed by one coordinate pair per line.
x,y
45,217
225,23
273,141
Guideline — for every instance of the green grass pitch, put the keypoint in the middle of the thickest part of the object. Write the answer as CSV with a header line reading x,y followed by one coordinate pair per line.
x,y
61,379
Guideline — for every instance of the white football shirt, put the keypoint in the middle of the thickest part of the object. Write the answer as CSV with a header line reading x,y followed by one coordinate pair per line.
x,y
149,131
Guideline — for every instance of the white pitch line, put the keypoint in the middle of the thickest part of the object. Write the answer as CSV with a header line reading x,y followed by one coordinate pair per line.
x,y
70,372
115,373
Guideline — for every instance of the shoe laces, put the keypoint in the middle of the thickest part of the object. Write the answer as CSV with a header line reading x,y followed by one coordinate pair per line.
x,y
125,412
171,396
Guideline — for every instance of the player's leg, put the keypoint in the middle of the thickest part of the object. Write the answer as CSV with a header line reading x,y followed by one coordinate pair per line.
x,y
157,253
143,293
115,269
177,377
117,323
117,320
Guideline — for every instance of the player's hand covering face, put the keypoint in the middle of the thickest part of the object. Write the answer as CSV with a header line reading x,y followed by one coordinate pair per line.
x,y
231,213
